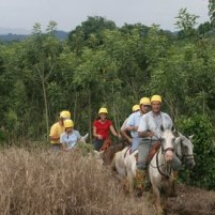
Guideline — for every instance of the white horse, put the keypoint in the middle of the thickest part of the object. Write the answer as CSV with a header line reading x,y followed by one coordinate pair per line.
x,y
184,150
160,170
124,162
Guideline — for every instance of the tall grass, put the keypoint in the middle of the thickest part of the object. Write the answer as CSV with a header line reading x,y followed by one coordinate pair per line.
x,y
40,182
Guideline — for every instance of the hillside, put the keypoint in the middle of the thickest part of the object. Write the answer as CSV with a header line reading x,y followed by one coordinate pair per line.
x,y
9,37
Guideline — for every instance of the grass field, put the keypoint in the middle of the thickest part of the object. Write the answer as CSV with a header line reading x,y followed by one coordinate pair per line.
x,y
41,182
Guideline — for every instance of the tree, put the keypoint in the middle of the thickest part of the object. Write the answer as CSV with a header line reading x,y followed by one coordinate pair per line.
x,y
41,60
186,22
211,13
204,28
92,26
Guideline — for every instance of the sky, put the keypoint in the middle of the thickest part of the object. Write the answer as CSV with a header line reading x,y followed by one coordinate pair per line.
x,y
23,14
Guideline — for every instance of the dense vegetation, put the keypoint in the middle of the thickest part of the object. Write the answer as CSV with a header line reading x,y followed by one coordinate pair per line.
x,y
102,64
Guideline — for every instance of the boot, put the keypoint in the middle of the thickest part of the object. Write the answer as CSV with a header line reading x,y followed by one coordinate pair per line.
x,y
140,179
173,188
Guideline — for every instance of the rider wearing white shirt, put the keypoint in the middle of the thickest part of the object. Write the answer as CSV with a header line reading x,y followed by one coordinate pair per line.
x,y
153,122
150,130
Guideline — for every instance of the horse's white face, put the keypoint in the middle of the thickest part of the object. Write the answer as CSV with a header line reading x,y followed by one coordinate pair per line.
x,y
185,150
168,144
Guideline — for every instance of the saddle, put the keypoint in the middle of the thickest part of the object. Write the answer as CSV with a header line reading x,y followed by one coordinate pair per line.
x,y
152,151
151,154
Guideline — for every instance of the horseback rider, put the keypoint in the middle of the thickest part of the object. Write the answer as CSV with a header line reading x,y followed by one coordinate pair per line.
x,y
150,130
125,133
69,137
101,128
57,129
134,120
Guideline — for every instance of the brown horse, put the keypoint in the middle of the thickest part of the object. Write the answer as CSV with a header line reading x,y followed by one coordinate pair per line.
x,y
109,150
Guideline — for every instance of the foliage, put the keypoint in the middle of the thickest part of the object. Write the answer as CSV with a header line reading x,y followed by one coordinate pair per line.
x,y
211,7
101,64
186,22
204,149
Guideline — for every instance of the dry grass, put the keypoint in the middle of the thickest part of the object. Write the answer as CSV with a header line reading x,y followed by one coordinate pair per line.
x,y
39,182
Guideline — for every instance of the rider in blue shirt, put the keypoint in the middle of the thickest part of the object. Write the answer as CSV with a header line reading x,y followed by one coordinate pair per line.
x,y
69,137
134,121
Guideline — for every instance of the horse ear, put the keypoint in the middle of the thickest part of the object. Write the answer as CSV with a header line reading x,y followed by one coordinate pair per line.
x,y
180,134
191,137
85,136
174,130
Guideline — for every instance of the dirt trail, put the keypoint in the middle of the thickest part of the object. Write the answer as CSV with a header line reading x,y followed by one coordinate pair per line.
x,y
192,201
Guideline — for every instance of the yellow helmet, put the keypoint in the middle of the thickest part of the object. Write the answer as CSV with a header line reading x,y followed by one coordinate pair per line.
x,y
145,101
68,123
156,98
65,114
103,110
135,108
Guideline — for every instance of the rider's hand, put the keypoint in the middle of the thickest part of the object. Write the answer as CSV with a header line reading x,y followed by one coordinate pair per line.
x,y
99,136
150,134
130,140
135,128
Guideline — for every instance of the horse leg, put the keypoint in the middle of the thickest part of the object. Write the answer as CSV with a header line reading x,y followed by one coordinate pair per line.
x,y
173,184
157,197
130,180
125,185
164,197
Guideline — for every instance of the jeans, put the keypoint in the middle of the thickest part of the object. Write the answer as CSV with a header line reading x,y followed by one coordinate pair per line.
x,y
97,144
143,151
144,148
135,143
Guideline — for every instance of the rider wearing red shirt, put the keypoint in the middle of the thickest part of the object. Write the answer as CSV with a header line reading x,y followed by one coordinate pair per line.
x,y
101,128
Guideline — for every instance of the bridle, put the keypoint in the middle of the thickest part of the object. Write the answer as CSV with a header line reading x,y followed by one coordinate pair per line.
x,y
168,171
185,156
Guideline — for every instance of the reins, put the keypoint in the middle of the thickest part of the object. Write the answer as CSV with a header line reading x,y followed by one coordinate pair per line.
x,y
158,167
184,156
169,169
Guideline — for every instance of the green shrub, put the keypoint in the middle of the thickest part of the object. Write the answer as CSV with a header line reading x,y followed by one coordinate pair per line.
x,y
201,126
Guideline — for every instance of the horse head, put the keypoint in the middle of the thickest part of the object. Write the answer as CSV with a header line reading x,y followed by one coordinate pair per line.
x,y
184,150
168,143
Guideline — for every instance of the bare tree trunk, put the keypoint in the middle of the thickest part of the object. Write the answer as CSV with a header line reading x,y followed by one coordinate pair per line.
x,y
41,74
75,106
90,117
46,110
